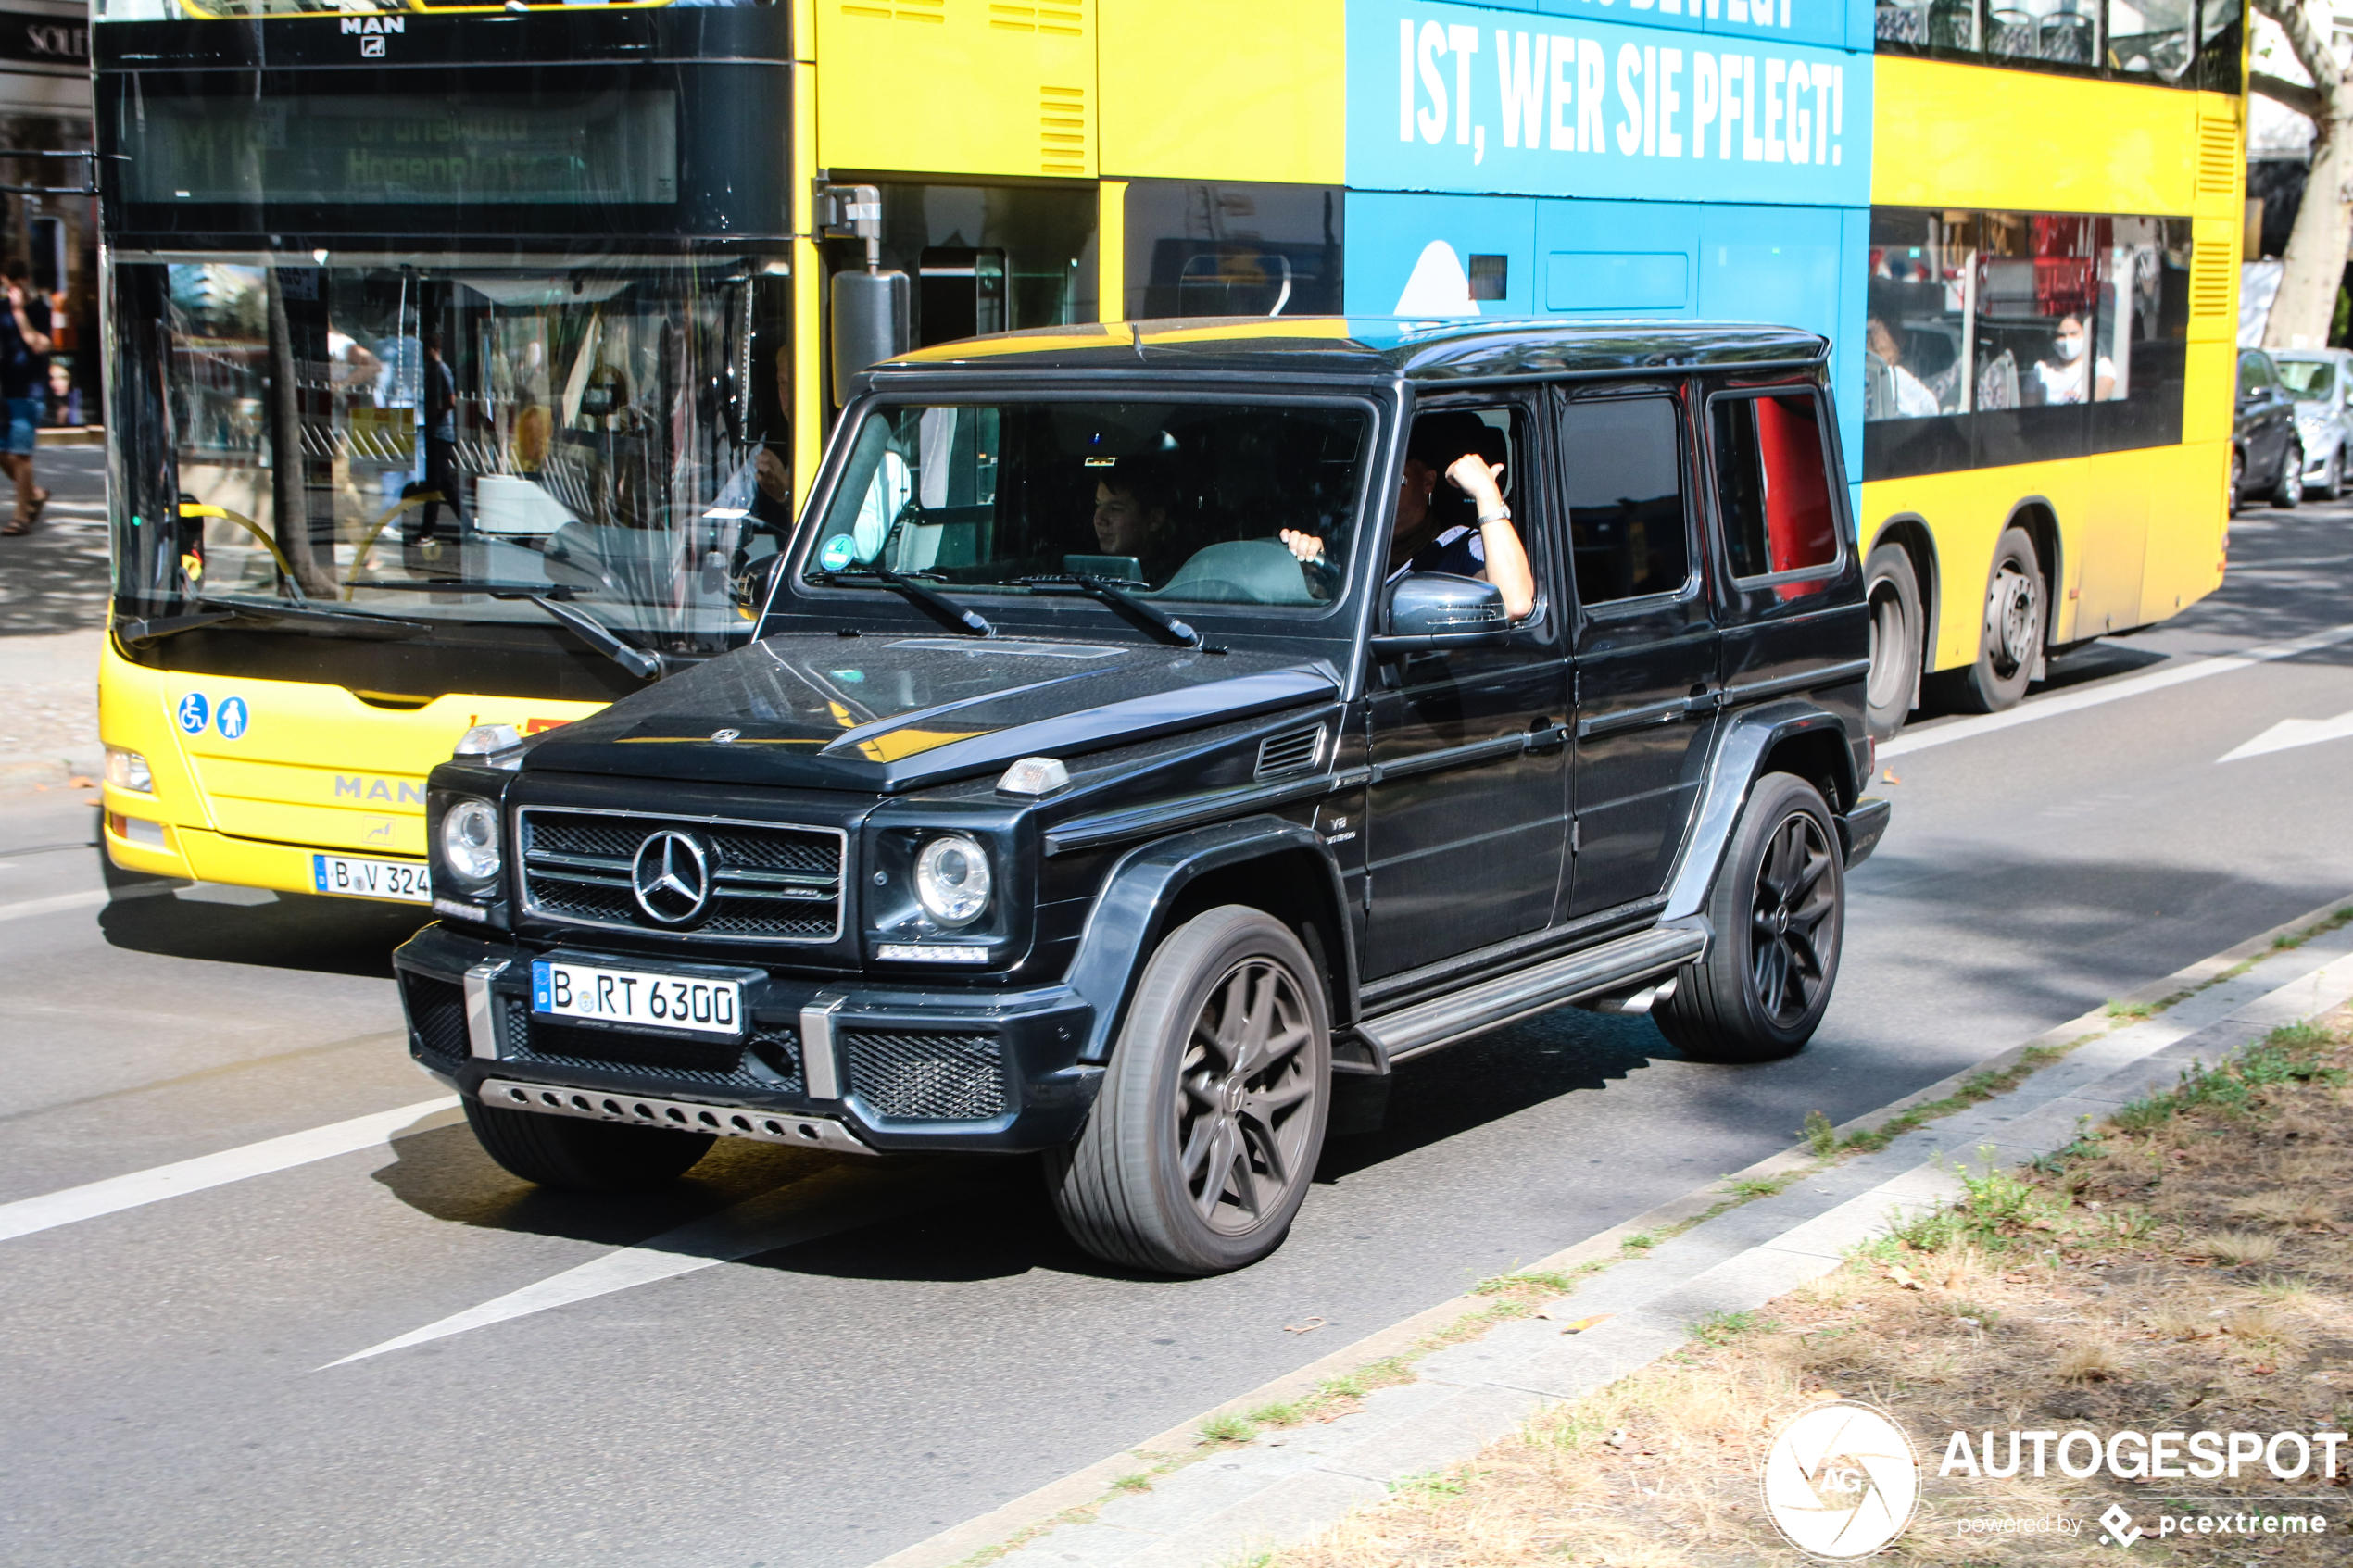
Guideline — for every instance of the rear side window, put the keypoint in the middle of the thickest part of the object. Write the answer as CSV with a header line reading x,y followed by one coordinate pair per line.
x,y
1771,484
1623,462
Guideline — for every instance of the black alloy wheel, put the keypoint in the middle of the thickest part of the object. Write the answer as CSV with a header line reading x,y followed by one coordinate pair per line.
x,y
2287,492
1211,1118
2237,492
582,1156
1892,589
2010,639
1778,910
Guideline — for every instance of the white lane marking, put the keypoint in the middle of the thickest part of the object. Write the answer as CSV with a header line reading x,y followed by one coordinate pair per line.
x,y
2115,691
2290,733
116,1193
840,1198
64,902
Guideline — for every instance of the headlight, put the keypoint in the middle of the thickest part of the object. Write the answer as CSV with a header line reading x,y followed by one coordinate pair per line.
x,y
952,879
470,840
128,770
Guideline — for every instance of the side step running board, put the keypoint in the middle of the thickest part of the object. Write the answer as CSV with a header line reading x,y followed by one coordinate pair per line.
x,y
1613,966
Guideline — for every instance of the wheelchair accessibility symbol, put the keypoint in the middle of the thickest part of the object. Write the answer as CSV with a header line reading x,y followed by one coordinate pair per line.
x,y
194,711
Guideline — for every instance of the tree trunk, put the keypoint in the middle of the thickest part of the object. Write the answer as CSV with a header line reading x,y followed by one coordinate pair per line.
x,y
2315,262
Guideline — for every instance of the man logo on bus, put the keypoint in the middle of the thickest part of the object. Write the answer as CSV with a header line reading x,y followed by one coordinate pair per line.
x,y
1841,1481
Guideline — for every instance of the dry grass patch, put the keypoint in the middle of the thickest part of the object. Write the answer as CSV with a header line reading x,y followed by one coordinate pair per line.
x,y
2116,1286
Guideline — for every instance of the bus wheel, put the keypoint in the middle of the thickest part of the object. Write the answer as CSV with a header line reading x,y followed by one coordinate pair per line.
x,y
2016,611
1893,591
1779,908
582,1156
1206,1134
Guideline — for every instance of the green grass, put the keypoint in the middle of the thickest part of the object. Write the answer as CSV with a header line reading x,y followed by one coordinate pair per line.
x,y
1821,1136
1228,1428
1719,1329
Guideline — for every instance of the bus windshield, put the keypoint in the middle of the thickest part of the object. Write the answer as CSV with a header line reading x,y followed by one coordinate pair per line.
x,y
436,446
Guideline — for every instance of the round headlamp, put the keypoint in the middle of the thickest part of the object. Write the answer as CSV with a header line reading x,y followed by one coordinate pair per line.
x,y
470,840
952,879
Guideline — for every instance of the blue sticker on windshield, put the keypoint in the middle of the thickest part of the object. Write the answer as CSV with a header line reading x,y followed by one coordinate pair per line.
x,y
838,552
194,711
230,720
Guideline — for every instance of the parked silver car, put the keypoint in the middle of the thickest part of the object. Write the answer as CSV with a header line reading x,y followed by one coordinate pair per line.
x,y
2317,377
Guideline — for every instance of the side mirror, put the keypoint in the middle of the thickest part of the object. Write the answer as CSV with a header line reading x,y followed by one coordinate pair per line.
x,y
870,323
751,586
1433,609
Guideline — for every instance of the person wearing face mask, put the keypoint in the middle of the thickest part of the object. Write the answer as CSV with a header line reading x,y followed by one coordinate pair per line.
x,y
2062,378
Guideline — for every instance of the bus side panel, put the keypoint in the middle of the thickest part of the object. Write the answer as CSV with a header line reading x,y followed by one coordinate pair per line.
x,y
2187,525
1236,90
1408,254
958,89
2104,566
2062,146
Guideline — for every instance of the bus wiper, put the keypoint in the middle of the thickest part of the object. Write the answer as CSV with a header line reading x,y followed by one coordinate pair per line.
x,y
596,635
212,612
461,586
938,606
1149,619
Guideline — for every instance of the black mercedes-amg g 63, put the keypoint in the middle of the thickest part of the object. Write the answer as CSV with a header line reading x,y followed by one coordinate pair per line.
x,y
1154,733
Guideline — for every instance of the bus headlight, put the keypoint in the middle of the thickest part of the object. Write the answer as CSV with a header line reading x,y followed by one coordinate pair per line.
x,y
128,770
952,879
470,841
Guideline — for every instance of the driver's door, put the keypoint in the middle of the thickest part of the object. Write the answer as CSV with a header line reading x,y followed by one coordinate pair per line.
x,y
1467,816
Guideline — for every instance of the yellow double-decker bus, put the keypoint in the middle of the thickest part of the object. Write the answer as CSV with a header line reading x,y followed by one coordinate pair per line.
x,y
469,358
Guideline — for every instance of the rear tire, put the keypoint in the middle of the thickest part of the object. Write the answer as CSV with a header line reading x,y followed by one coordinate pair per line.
x,y
1779,908
1892,590
2009,641
1205,1136
582,1156
2288,493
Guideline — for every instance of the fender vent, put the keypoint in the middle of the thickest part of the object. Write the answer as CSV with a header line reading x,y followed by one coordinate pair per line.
x,y
1293,753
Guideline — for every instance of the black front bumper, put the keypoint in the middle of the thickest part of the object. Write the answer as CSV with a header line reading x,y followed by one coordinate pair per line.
x,y
896,1069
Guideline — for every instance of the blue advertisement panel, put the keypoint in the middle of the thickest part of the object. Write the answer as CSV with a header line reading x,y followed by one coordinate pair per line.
x,y
1696,159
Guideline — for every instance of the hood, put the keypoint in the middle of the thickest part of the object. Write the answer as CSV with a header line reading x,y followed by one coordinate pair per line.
x,y
813,711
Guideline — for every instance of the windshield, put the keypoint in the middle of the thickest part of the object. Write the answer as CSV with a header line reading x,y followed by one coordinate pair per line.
x,y
1192,503
446,445
2307,378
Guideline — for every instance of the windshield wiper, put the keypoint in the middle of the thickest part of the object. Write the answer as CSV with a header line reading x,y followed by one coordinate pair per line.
x,y
596,635
212,612
1151,618
460,586
938,606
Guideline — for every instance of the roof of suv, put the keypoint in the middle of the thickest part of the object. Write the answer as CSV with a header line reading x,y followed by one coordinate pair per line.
x,y
1375,347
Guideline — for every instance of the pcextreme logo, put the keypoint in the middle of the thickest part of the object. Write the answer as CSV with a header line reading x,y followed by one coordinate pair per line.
x,y
1841,1481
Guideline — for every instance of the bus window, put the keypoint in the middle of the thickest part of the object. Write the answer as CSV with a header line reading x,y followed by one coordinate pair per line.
x,y
2150,37
1914,362
1772,490
1622,464
1231,249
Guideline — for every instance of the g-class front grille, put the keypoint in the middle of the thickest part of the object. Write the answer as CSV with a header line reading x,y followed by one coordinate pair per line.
x,y
934,1077
723,881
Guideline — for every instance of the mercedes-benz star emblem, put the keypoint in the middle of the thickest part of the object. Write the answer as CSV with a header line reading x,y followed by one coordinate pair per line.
x,y
725,737
671,877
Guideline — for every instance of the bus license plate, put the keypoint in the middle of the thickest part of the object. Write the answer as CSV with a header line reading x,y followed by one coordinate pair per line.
x,y
372,879
596,994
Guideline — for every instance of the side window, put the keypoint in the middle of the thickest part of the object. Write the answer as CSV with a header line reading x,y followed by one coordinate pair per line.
x,y
1771,486
1622,471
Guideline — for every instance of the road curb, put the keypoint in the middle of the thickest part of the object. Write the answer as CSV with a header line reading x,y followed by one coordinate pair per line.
x,y
1732,1254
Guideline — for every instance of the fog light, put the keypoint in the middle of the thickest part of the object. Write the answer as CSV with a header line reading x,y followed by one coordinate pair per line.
x,y
128,770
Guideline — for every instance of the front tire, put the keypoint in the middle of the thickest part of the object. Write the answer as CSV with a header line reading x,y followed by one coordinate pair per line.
x,y
1203,1142
582,1156
2288,492
1892,590
2010,639
1779,909
2333,476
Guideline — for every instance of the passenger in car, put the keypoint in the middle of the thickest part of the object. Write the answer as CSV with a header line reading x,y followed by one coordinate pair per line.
x,y
1470,453
1133,503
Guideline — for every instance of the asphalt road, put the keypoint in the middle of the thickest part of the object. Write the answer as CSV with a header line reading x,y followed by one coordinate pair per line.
x,y
817,1363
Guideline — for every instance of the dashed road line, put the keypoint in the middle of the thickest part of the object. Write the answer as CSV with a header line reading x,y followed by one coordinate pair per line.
x,y
2115,691
28,1215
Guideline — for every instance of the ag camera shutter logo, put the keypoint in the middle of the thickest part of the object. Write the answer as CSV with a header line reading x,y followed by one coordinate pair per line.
x,y
1841,1481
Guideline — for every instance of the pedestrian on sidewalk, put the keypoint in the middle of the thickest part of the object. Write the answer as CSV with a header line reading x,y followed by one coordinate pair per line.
x,y
24,379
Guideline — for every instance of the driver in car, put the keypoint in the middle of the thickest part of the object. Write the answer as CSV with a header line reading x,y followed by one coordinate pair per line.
x,y
1456,446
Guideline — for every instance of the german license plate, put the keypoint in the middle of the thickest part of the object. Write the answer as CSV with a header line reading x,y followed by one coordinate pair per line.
x,y
593,994
372,879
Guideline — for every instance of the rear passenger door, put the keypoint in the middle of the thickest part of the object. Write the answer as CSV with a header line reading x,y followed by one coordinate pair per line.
x,y
1783,539
1645,644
